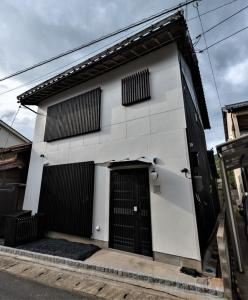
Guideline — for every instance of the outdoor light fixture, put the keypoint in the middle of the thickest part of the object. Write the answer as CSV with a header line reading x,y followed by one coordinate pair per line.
x,y
46,162
154,176
155,182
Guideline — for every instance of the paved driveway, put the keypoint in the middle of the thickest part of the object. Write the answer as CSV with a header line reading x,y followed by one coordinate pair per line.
x,y
15,288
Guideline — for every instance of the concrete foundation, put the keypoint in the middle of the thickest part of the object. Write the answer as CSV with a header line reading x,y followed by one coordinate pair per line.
x,y
157,256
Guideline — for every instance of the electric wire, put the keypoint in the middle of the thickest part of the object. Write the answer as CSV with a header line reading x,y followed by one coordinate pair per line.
x,y
211,10
224,20
208,55
194,44
12,123
225,38
37,79
145,20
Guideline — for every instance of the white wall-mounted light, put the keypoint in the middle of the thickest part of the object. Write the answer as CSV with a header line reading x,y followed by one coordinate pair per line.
x,y
154,176
155,181
45,161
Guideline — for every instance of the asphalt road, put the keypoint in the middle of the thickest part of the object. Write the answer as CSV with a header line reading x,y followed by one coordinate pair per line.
x,y
15,288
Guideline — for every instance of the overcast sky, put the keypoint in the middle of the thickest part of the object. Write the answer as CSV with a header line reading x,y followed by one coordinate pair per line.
x,y
31,31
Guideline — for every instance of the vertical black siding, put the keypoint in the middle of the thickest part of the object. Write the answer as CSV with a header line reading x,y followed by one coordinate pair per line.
x,y
66,198
212,164
206,200
136,88
78,115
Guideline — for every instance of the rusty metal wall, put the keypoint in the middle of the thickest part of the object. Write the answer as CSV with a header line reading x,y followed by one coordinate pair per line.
x,y
8,199
13,176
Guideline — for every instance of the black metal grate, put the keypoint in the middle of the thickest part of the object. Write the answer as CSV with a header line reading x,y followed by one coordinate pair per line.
x,y
66,198
78,115
136,88
22,230
13,214
130,230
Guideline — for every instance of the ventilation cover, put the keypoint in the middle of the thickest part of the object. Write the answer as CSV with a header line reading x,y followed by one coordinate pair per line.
x,y
136,88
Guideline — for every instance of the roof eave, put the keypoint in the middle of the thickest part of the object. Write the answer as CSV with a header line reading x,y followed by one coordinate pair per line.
x,y
14,132
153,37
142,43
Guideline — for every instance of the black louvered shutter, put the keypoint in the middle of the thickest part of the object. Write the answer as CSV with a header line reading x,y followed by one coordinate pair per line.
x,y
136,88
78,115
66,198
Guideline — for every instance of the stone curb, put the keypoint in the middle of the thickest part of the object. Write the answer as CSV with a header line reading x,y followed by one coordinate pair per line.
x,y
117,272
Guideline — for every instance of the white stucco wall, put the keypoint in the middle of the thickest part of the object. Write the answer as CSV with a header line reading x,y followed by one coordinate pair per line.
x,y
8,139
155,128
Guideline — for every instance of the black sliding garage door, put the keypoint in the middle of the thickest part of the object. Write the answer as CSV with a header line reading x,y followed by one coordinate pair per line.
x,y
130,217
66,198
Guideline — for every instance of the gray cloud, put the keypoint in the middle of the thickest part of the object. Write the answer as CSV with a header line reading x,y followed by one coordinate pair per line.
x,y
34,30
3,87
8,115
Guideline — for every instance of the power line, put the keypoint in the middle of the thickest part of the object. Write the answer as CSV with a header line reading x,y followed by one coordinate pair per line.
x,y
224,20
209,58
211,10
12,123
73,62
180,5
195,43
50,73
225,38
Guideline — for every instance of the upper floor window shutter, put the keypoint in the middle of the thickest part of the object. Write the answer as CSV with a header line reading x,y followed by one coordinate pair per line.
x,y
78,115
136,88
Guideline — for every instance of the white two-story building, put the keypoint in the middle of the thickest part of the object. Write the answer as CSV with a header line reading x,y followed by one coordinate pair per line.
x,y
119,153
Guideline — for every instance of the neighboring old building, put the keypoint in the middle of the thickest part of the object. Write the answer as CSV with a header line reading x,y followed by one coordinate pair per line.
x,y
119,152
10,137
15,152
235,118
14,163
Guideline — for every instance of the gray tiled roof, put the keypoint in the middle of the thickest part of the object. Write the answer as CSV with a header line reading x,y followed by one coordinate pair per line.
x,y
171,29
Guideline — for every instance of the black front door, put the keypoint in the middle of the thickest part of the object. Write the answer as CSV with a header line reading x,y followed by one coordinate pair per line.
x,y
130,216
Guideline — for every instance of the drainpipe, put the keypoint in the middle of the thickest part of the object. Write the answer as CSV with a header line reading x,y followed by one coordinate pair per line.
x,y
232,218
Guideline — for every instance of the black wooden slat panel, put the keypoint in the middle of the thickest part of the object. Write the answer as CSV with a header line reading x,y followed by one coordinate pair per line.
x,y
78,115
66,198
136,88
206,200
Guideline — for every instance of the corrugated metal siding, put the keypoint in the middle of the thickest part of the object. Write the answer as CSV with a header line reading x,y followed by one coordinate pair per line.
x,y
78,115
136,88
66,198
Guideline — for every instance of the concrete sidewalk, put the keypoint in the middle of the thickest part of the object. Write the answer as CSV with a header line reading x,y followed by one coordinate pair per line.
x,y
90,277
126,262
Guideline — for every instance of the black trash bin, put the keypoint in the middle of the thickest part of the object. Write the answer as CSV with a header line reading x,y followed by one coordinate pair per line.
x,y
21,230
15,214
